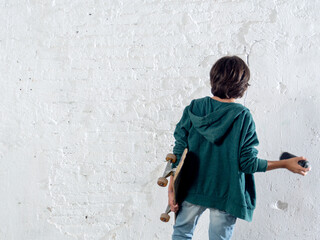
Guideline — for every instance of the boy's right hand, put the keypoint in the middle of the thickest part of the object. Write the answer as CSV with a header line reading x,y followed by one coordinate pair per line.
x,y
292,165
173,207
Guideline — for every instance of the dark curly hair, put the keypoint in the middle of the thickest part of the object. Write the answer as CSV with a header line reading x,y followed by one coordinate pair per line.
x,y
229,77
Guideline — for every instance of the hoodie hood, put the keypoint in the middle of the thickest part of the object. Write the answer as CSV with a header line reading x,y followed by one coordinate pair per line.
x,y
215,123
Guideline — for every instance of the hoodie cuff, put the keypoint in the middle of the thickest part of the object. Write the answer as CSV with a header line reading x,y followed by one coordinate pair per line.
x,y
262,165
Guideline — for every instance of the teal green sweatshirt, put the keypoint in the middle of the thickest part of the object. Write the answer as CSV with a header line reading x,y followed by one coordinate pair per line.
x,y
223,138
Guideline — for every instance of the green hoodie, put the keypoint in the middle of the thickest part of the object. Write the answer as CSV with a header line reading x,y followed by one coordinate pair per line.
x,y
223,138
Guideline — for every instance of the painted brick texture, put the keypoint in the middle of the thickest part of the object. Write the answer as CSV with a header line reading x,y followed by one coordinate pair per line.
x,y
92,90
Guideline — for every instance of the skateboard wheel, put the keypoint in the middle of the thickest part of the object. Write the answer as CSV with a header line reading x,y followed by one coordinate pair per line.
x,y
162,182
165,217
171,157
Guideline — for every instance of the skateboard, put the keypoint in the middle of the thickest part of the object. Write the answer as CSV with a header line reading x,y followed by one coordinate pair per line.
x,y
302,163
180,184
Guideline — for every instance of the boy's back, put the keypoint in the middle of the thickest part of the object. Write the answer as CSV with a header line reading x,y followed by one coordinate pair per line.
x,y
222,136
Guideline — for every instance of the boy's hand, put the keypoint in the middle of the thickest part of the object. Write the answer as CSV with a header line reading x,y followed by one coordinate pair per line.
x,y
173,207
292,165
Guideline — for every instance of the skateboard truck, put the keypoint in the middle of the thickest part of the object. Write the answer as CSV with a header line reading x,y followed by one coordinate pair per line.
x,y
163,181
302,163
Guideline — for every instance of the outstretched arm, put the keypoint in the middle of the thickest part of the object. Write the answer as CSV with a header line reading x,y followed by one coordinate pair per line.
x,y
291,164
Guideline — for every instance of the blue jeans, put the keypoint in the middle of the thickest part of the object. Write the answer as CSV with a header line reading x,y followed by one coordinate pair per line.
x,y
221,223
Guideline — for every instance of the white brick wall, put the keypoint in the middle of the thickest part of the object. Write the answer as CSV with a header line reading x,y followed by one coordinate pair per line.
x,y
91,92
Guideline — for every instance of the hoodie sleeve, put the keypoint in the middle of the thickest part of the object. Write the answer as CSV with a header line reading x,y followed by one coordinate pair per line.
x,y
181,136
249,162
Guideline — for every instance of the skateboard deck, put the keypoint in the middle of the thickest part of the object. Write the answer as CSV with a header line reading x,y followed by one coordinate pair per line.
x,y
180,183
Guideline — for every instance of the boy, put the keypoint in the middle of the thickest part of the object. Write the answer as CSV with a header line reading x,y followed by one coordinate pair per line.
x,y
221,134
